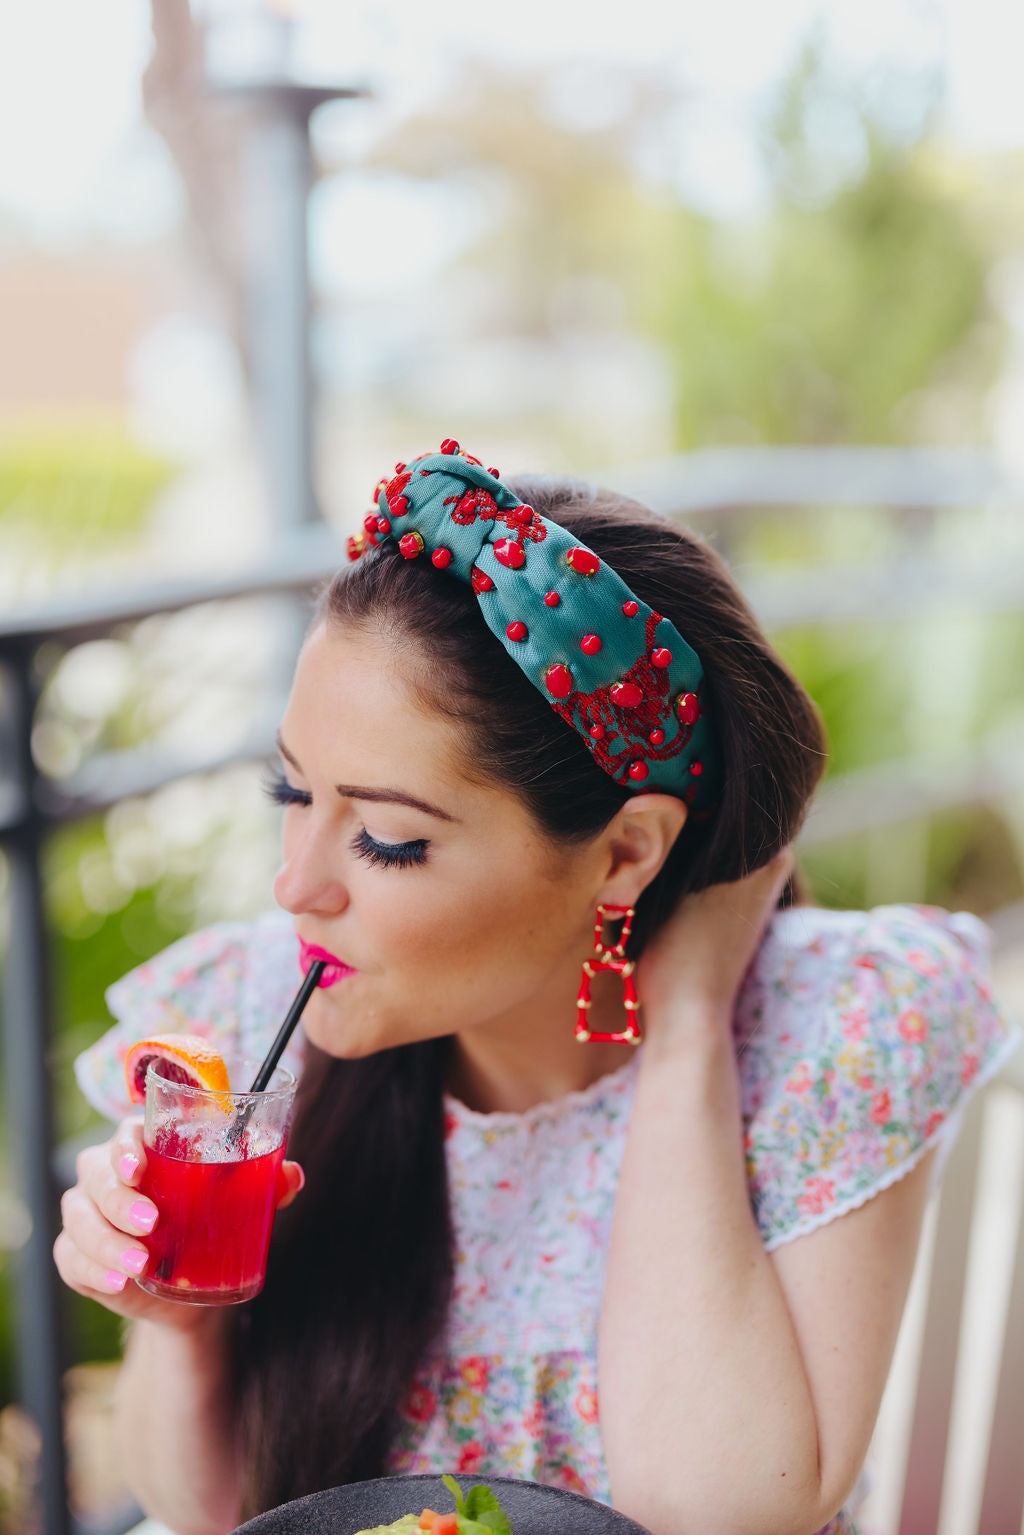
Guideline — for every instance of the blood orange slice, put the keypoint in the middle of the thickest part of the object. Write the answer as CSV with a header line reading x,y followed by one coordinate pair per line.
x,y
185,1058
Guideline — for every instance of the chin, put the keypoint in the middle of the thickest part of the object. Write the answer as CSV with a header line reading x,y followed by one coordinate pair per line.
x,y
345,1032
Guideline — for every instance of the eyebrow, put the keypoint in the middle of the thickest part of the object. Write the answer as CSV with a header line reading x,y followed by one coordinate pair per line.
x,y
378,796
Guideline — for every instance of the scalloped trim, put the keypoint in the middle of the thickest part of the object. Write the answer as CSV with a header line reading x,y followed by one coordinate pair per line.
x,y
612,1083
809,1223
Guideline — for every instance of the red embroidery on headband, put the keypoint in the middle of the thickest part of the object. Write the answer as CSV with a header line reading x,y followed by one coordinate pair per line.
x,y
476,502
623,737
393,488
473,503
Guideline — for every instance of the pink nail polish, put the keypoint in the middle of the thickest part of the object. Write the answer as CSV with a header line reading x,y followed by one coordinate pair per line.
x,y
134,1260
128,1166
115,1280
143,1215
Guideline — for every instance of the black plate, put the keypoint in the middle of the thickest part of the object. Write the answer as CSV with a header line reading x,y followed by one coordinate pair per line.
x,y
532,1509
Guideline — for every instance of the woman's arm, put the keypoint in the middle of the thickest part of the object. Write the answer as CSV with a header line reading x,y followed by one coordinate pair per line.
x,y
738,1389
176,1422
176,1426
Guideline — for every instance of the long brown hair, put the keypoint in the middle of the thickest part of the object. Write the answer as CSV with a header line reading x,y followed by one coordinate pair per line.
x,y
360,1278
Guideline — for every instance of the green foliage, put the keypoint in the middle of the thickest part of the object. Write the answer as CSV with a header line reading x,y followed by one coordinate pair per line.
x,y
853,309
842,316
69,491
861,289
74,488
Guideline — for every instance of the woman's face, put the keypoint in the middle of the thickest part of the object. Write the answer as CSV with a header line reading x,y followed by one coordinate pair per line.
x,y
439,894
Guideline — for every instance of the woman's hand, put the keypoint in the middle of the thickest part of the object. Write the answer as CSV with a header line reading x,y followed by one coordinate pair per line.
x,y
696,963
106,1220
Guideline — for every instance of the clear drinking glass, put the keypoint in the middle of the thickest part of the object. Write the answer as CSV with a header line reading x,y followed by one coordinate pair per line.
x,y
212,1166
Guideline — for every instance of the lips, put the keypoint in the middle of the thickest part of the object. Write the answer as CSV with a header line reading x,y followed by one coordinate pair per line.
x,y
334,969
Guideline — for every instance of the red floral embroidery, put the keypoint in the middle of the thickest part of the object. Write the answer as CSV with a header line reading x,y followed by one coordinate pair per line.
x,y
394,487
473,503
420,1404
471,1457
570,1479
627,731
477,502
881,1107
856,1025
475,1372
819,1192
934,1121
586,1404
913,1026
968,1068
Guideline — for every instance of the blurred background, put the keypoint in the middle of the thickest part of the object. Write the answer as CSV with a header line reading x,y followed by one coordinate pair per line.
x,y
761,266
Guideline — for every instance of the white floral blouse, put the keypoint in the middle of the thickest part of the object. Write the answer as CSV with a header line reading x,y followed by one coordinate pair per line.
x,y
860,1036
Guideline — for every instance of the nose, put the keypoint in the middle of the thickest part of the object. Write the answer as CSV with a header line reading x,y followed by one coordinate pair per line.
x,y
306,881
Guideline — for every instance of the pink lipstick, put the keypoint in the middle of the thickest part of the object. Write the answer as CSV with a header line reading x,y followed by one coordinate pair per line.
x,y
334,969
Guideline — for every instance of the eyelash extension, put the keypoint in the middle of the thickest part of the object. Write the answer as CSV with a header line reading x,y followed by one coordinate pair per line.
x,y
386,855
277,788
390,855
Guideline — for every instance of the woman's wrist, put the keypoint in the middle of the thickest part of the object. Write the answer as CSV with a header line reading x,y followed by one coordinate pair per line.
x,y
690,1030
196,1342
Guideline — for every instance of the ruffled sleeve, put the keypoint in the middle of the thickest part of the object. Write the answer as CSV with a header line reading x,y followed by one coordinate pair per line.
x,y
231,983
860,1037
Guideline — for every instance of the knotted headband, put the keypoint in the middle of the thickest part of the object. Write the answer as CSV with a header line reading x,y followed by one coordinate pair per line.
x,y
621,675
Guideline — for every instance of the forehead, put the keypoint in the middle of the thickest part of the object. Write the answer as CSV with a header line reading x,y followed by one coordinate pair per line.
x,y
355,716
354,690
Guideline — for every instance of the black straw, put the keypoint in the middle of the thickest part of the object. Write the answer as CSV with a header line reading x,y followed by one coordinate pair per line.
x,y
309,984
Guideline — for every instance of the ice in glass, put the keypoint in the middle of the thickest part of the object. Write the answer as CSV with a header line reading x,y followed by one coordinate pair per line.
x,y
212,1165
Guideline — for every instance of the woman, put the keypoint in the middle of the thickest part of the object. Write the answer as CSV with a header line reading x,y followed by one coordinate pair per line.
x,y
525,711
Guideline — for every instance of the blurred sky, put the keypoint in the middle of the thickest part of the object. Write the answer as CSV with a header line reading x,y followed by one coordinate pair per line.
x,y
78,163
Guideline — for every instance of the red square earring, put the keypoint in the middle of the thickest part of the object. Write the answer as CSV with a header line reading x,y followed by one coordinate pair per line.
x,y
608,956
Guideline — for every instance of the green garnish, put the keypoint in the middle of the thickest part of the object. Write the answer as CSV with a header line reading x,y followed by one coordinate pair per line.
x,y
479,1512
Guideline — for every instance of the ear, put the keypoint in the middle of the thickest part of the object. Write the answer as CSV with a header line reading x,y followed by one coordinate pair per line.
x,y
638,840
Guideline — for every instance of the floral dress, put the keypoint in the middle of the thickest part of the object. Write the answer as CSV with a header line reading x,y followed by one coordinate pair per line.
x,y
859,1037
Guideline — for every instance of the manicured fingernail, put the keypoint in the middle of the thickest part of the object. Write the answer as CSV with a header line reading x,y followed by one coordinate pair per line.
x,y
143,1215
302,1180
134,1260
115,1280
128,1166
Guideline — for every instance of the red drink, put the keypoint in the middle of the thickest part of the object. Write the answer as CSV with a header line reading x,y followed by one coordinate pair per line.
x,y
210,1244
212,1165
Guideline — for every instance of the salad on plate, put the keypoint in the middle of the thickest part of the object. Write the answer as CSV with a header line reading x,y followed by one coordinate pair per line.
x,y
478,1512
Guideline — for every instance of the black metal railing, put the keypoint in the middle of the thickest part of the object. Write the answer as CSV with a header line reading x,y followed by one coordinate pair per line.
x,y
31,806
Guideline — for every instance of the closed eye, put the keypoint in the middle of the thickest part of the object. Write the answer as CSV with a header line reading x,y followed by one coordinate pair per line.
x,y
277,788
390,855
385,855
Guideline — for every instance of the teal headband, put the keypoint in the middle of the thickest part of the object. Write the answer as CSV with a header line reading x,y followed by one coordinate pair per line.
x,y
621,675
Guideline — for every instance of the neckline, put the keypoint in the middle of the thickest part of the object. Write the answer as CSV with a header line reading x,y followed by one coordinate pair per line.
x,y
550,1108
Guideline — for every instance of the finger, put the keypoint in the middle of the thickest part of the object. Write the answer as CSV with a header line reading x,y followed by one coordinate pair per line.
x,y
83,1272
119,1202
100,1241
128,1152
291,1180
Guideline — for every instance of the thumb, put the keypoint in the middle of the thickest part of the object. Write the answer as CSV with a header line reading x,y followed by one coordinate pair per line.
x,y
291,1180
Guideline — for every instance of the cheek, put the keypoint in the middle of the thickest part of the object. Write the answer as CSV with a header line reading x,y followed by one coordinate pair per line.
x,y
471,937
